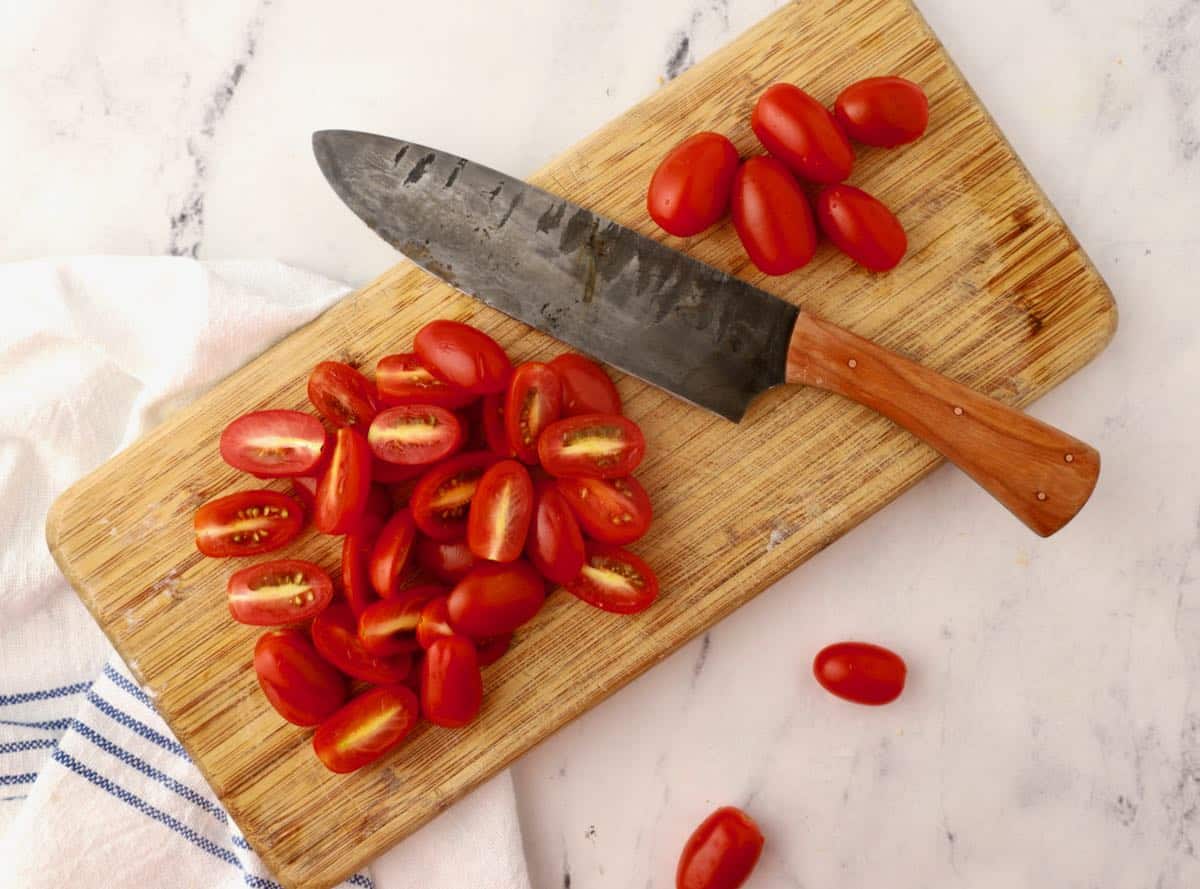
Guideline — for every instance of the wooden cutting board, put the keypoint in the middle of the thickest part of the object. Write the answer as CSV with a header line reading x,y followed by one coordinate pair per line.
x,y
995,292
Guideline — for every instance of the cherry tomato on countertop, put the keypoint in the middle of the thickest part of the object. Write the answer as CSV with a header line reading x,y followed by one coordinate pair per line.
x,y
389,627
451,687
555,544
357,546
342,395
689,190
434,622
301,686
498,520
615,580
335,635
586,388
402,379
534,401
772,217
861,227
448,562
285,591
462,355
595,445
883,111
491,649
247,523
442,498
345,488
860,672
495,598
721,852
613,510
390,555
366,728
799,131
272,444
414,434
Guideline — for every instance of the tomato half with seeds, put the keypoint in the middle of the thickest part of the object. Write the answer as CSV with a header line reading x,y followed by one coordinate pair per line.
x,y
301,686
883,111
357,546
335,635
402,379
862,227
345,487
495,430
860,672
285,591
596,445
689,190
772,217
555,544
342,395
498,520
495,598
615,580
534,401
389,557
389,626
490,650
247,523
273,444
366,728
801,132
442,498
451,687
721,853
449,562
414,434
434,622
611,510
586,388
463,355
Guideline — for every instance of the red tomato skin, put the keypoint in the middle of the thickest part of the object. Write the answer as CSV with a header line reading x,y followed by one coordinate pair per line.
x,y
304,489
689,190
333,741
860,672
586,388
861,227
636,593
239,449
345,488
555,444
389,627
463,355
492,649
495,430
495,599
342,395
721,853
356,564
798,130
883,111
390,555
434,622
555,545
616,511
417,417
278,519
451,686
498,521
772,217
335,636
386,473
271,611
448,562
440,526
301,686
533,402
402,379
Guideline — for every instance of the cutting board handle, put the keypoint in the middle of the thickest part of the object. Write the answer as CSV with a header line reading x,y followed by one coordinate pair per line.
x,y
1041,474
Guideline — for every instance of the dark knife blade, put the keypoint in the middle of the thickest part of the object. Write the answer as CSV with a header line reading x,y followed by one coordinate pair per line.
x,y
621,297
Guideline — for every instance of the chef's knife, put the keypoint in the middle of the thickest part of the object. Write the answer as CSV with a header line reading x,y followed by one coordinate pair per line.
x,y
677,323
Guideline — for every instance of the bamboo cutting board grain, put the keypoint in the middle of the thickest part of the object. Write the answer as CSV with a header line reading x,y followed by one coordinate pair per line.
x,y
995,292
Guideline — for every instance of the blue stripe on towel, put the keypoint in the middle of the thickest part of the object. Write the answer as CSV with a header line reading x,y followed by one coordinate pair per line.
x,y
11,799
26,778
57,724
22,746
123,683
361,880
44,694
120,716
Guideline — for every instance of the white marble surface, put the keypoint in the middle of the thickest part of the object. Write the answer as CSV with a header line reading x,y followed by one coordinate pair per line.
x,y
1050,734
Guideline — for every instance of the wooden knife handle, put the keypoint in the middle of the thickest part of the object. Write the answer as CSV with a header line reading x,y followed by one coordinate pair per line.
x,y
1042,475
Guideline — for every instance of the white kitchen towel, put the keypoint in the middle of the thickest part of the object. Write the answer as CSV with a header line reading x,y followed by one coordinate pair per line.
x,y
94,789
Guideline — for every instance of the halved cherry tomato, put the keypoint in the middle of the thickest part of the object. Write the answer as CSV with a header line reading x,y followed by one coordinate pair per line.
x,y
860,672
342,395
798,130
357,546
301,686
451,687
345,487
495,430
272,444
689,190
304,489
883,111
448,562
721,852
247,523
495,598
534,401
498,520
434,622
389,557
394,473
861,227
772,217
613,510
335,635
596,445
389,627
379,506
402,379
414,434
490,650
586,388
285,591
555,545
366,728
442,498
615,580
463,355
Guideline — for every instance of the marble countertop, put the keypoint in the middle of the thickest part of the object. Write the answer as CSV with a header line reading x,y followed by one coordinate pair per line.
x,y
1050,732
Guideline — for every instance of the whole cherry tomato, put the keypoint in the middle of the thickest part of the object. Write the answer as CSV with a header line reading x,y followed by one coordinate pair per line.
x,y
366,728
442,498
500,512
586,388
301,686
721,853
690,189
595,445
335,635
798,130
434,622
451,687
345,487
342,395
615,510
285,591
615,580
495,599
271,444
389,556
389,627
555,545
883,111
534,401
402,379
448,562
860,672
861,227
414,434
772,217
493,648
247,523
462,355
